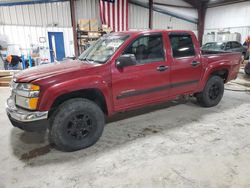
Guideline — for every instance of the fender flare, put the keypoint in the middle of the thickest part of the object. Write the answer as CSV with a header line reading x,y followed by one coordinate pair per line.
x,y
66,87
210,69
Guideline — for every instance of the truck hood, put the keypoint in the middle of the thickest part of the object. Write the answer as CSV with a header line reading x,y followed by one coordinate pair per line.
x,y
52,69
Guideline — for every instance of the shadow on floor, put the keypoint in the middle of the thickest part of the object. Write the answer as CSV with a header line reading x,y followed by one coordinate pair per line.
x,y
33,148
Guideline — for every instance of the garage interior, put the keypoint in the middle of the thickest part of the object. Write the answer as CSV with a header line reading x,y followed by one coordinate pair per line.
x,y
172,144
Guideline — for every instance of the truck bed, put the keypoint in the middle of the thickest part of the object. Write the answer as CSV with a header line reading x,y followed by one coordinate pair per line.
x,y
232,59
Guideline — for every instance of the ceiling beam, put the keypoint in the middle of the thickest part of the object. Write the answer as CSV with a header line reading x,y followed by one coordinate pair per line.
x,y
163,11
170,5
30,2
193,3
224,2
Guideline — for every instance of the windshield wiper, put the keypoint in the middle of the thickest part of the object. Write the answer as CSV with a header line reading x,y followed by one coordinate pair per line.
x,y
86,59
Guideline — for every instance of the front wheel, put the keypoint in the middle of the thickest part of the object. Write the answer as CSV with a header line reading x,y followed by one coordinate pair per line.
x,y
77,124
212,93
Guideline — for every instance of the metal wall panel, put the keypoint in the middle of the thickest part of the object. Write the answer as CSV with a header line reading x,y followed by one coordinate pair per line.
x,y
235,18
139,16
26,36
235,15
47,14
162,21
87,9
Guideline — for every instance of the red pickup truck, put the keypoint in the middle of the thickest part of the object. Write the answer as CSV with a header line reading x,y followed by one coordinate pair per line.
x,y
121,71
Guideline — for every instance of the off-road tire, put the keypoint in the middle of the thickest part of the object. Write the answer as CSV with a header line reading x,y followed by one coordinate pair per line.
x,y
212,93
70,122
247,68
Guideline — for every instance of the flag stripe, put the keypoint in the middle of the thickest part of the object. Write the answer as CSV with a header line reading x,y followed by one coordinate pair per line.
x,y
122,17
100,10
103,12
114,13
108,12
118,15
126,14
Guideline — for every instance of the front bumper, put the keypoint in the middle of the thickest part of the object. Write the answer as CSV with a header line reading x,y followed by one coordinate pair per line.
x,y
26,120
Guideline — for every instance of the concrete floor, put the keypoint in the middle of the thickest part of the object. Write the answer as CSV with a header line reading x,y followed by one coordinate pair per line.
x,y
177,144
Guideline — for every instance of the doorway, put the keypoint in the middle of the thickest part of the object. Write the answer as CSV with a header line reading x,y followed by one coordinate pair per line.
x,y
56,46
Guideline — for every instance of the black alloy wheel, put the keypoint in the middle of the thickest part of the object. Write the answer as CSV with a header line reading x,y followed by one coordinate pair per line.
x,y
214,91
77,123
80,126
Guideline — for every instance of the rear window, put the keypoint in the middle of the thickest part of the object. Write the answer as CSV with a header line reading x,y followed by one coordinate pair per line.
x,y
182,45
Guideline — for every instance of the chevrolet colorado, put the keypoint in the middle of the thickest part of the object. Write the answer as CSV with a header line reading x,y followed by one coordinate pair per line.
x,y
121,71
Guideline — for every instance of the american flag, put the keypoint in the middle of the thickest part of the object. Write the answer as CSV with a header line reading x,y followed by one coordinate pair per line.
x,y
114,13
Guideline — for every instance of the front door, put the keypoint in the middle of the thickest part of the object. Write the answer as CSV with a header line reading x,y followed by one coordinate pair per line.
x,y
145,82
56,45
186,67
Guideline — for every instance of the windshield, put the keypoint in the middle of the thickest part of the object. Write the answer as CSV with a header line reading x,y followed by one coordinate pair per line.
x,y
214,46
103,48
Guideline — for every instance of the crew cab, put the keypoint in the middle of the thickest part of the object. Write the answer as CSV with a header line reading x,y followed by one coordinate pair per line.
x,y
121,71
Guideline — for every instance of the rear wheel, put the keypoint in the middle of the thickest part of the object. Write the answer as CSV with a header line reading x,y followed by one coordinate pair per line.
x,y
247,69
77,124
212,93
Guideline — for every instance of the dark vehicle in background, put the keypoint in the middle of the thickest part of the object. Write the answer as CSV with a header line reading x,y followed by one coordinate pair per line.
x,y
247,68
230,46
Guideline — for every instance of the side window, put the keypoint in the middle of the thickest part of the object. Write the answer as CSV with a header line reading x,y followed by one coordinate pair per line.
x,y
236,45
228,45
147,49
182,45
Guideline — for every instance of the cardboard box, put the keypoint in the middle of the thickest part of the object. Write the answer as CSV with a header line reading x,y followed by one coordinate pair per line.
x,y
94,25
106,29
84,24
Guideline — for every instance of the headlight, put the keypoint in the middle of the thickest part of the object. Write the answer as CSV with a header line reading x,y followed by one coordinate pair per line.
x,y
28,103
27,95
27,90
28,87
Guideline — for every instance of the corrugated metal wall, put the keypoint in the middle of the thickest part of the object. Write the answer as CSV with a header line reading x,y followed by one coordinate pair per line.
x,y
235,15
235,18
162,21
47,14
138,19
87,9
26,36
24,24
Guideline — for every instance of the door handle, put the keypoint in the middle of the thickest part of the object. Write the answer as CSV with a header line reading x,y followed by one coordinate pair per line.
x,y
195,63
162,68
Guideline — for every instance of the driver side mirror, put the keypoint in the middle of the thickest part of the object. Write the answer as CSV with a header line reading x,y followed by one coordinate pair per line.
x,y
126,60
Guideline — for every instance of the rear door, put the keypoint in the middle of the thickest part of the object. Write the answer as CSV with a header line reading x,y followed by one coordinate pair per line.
x,y
186,67
148,80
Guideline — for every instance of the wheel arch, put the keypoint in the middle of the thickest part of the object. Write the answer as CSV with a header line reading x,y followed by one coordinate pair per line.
x,y
92,94
222,71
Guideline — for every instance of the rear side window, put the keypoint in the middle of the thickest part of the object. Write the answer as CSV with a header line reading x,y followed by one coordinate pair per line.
x,y
236,45
182,45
